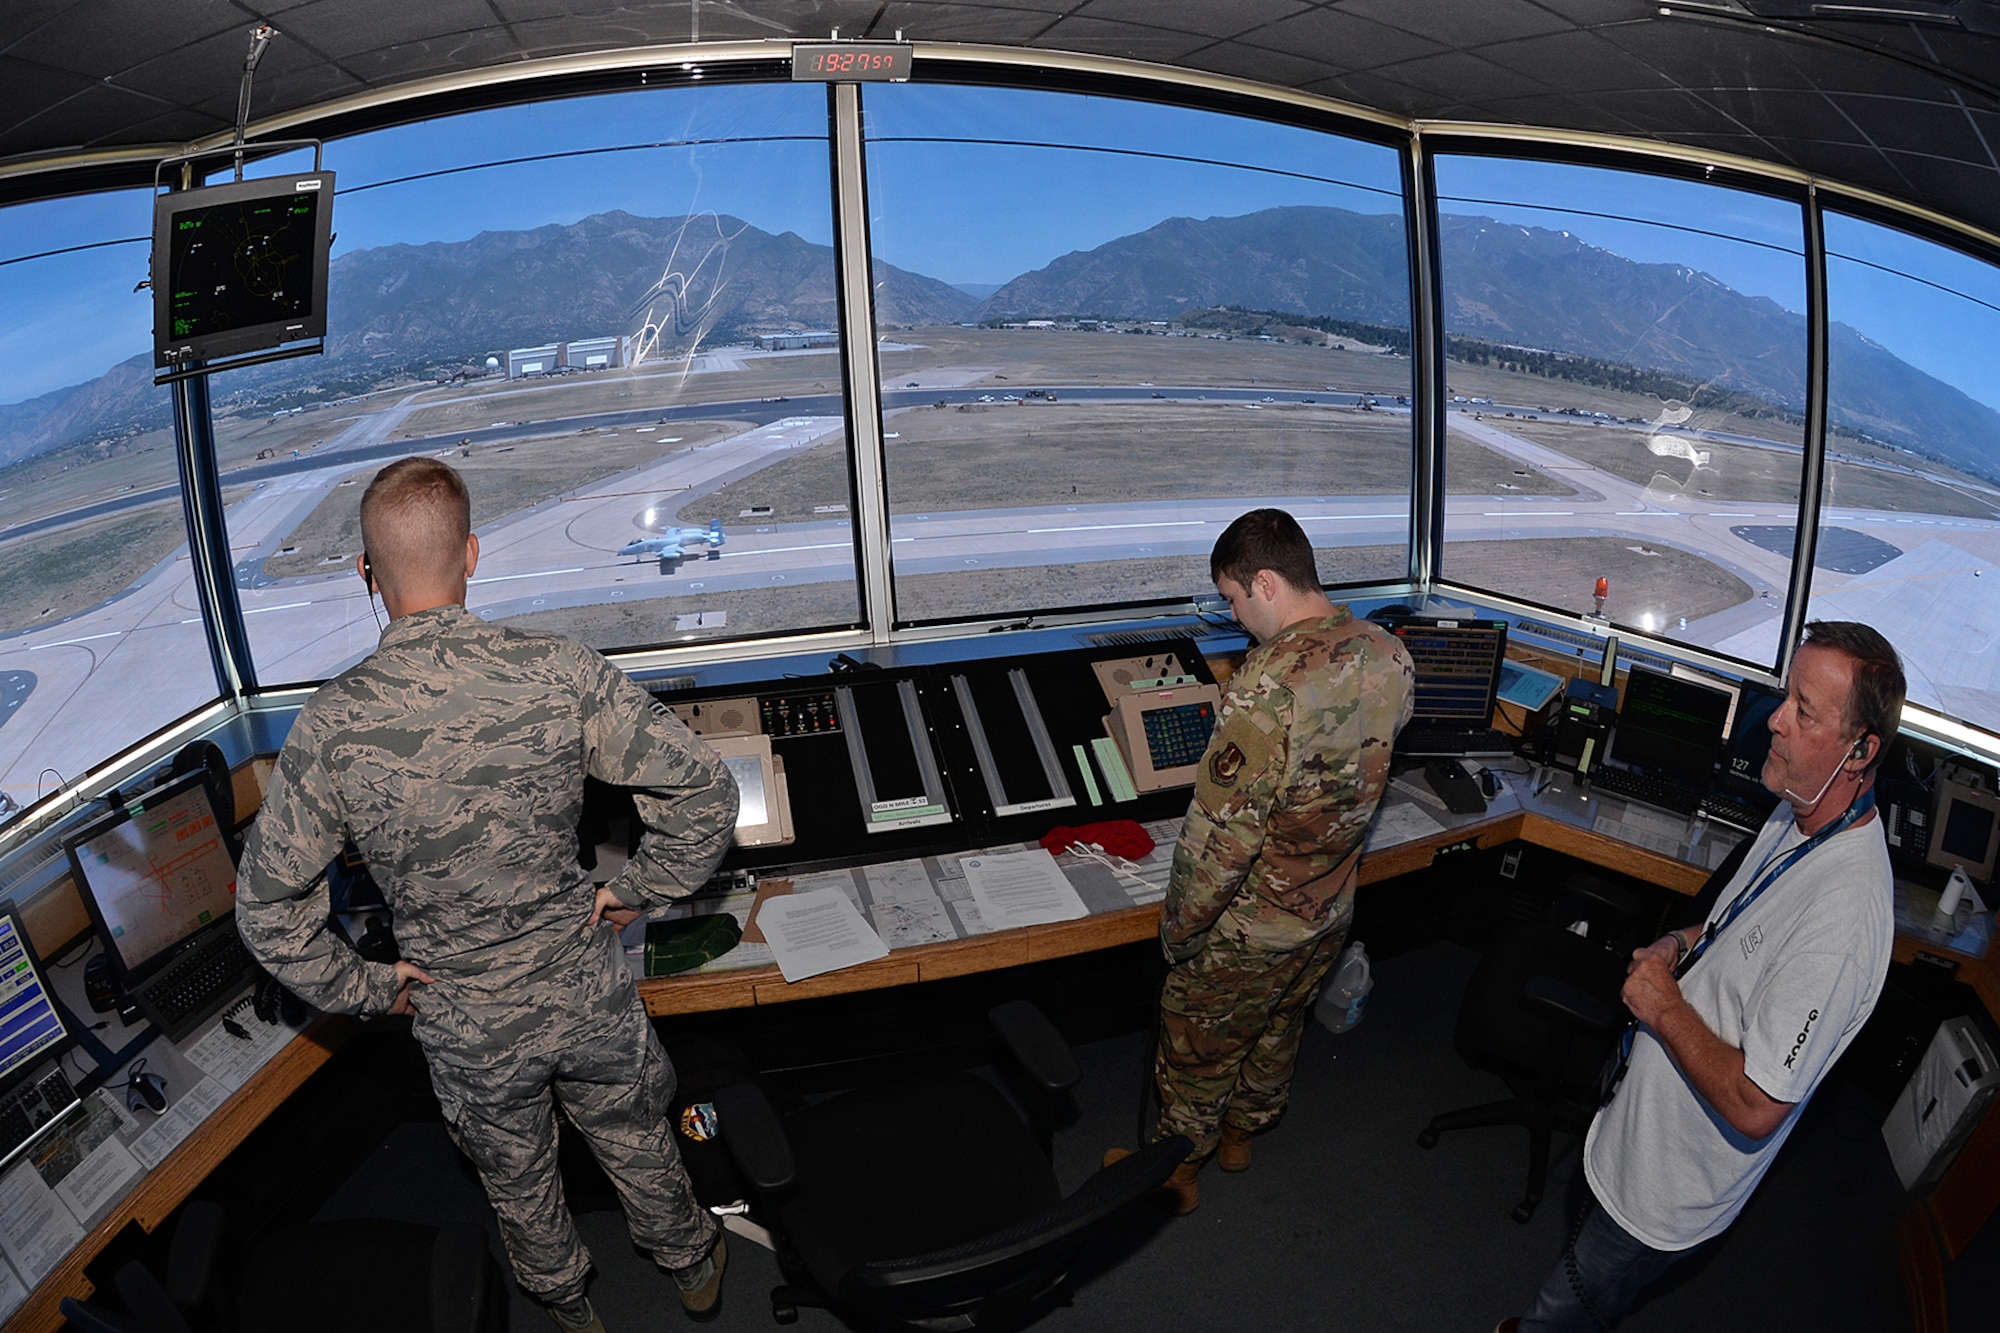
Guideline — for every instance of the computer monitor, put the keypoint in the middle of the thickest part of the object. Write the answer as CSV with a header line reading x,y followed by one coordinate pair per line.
x,y
1682,671
155,874
763,804
31,1027
1669,726
1965,830
1458,667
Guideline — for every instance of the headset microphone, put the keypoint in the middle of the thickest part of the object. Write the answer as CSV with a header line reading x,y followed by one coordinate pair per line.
x,y
1854,752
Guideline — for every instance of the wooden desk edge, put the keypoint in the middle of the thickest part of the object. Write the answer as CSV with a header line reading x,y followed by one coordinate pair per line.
x,y
167,1185
704,991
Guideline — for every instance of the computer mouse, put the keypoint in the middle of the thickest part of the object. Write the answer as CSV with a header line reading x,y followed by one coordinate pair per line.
x,y
147,1090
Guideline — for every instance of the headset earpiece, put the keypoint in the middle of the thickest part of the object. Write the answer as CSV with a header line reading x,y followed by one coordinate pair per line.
x,y
367,572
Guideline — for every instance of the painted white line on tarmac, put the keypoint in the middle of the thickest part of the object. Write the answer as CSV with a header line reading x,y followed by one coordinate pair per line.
x,y
1115,527
64,643
1529,513
537,574
284,606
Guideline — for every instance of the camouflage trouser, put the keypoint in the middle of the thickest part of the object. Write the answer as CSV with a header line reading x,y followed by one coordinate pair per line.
x,y
590,1046
1231,1019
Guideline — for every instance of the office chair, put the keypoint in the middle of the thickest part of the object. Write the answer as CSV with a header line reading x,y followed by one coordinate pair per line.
x,y
931,1204
323,1277
1542,1011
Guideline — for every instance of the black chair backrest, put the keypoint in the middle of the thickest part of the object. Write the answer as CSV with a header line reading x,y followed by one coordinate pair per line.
x,y
1015,1264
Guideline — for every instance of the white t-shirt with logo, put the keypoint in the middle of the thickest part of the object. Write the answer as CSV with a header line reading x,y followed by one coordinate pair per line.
x,y
1789,983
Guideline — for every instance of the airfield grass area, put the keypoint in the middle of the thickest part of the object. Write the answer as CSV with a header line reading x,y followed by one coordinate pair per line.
x,y
502,479
1647,578
1737,472
1662,581
58,574
1008,455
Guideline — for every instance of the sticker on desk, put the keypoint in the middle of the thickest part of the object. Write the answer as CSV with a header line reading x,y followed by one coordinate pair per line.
x,y
82,1161
904,906
36,1230
230,1059
12,1290
1645,832
183,1115
1396,823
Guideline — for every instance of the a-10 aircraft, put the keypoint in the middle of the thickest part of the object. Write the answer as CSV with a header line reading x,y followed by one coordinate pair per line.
x,y
671,546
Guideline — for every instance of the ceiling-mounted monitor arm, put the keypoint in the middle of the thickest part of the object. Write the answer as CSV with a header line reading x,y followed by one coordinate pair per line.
x,y
260,37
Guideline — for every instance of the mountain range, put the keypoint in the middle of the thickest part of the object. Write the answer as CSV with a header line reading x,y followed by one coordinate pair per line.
x,y
413,310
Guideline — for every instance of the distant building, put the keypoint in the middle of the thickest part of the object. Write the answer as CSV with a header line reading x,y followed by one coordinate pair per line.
x,y
541,360
597,353
795,342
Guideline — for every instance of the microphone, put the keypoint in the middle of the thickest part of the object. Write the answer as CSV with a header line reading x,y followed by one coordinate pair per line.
x,y
1852,753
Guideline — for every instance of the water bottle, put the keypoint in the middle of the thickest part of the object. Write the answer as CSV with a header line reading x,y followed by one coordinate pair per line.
x,y
1345,995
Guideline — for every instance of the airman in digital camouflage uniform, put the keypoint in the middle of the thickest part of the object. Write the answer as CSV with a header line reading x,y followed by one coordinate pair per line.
x,y
1264,874
455,757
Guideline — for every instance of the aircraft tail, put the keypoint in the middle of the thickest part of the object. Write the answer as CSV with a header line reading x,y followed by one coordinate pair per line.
x,y
715,532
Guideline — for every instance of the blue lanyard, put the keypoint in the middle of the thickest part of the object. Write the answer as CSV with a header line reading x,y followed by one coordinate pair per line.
x,y
1767,875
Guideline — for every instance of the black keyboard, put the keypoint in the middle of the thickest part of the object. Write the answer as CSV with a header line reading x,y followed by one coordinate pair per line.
x,y
30,1106
1661,792
199,981
1419,739
1737,813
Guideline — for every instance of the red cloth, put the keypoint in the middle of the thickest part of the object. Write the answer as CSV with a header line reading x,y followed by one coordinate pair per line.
x,y
1118,837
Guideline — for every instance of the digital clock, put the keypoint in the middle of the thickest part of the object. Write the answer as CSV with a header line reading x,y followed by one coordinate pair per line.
x,y
850,62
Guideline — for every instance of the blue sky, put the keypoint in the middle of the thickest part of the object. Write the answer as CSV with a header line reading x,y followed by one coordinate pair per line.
x,y
969,186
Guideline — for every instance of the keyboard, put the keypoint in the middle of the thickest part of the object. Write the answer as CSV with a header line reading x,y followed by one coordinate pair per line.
x,y
1419,739
1737,813
29,1107
1661,792
195,984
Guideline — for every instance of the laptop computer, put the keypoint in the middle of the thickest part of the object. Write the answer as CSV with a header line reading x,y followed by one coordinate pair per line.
x,y
34,1032
158,877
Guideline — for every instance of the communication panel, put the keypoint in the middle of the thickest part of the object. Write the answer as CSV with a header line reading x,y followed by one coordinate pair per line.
x,y
1162,734
764,804
720,717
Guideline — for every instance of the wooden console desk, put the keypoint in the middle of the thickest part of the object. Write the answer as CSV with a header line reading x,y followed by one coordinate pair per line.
x,y
1954,1213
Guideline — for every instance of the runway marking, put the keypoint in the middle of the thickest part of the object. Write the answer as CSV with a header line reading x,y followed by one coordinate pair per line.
x,y
537,574
63,643
285,606
1112,527
1346,518
780,550
1529,513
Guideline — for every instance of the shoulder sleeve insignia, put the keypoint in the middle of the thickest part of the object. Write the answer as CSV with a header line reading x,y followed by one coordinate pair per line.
x,y
1225,764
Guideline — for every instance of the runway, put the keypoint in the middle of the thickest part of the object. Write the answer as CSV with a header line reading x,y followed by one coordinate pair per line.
x,y
92,684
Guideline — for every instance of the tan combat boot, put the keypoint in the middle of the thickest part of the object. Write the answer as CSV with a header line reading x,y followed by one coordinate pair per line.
x,y
1233,1153
1180,1195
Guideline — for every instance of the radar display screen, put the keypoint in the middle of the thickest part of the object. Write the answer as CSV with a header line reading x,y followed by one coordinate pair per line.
x,y
242,263
1178,736
240,267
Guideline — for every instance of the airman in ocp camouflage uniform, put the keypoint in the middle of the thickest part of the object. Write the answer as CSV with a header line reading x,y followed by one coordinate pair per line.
x,y
455,757
1263,877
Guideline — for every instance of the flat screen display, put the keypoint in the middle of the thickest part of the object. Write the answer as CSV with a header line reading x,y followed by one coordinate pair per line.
x,y
1670,726
1458,668
240,267
752,809
29,1025
157,873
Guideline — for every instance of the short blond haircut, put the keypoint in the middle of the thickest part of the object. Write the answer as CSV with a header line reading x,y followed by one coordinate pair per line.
x,y
415,517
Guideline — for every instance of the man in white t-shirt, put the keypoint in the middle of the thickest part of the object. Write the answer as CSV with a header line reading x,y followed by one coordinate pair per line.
x,y
1739,1019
